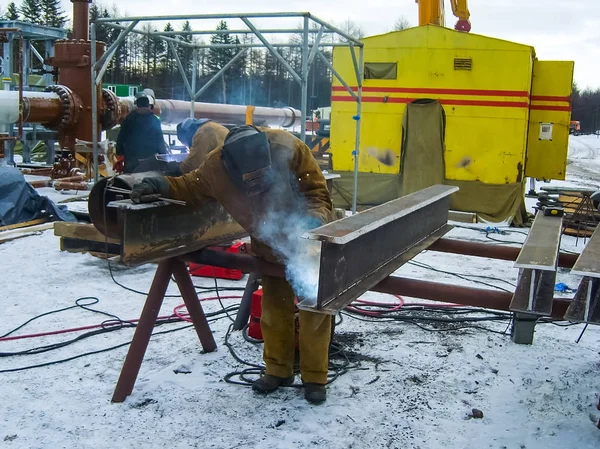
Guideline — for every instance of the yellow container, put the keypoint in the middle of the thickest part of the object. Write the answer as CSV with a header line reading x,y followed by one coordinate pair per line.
x,y
496,95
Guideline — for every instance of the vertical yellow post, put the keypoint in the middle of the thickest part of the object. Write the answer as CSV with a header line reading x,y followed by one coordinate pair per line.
x,y
431,12
250,114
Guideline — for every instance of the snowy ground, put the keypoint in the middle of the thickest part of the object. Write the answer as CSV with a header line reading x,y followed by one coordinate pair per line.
x,y
418,395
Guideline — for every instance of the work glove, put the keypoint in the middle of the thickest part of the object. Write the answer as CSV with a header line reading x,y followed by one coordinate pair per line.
x,y
118,166
150,190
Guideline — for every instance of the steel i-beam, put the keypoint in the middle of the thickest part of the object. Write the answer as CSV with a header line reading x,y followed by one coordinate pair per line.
x,y
359,251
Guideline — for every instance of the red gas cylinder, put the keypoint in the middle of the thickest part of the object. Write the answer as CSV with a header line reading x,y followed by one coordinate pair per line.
x,y
255,313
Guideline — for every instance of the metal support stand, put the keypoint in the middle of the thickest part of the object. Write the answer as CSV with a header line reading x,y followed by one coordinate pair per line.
x,y
143,331
523,328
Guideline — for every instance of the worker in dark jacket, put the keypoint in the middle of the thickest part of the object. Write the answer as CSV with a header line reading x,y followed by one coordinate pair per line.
x,y
140,137
266,180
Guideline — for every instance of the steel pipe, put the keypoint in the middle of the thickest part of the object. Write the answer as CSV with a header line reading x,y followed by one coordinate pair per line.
x,y
501,252
81,20
175,111
394,285
47,108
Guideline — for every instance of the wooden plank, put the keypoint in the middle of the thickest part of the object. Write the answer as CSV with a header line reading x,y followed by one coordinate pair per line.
x,y
462,217
24,232
86,246
540,250
25,224
588,263
81,231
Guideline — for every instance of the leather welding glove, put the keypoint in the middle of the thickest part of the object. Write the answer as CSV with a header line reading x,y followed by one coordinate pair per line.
x,y
149,190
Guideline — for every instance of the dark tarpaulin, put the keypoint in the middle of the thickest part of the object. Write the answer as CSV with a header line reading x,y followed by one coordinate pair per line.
x,y
19,202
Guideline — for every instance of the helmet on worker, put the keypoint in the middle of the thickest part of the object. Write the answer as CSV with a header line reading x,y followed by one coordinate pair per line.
x,y
246,155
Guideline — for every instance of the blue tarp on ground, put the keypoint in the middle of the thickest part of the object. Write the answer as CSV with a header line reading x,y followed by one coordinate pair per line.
x,y
19,202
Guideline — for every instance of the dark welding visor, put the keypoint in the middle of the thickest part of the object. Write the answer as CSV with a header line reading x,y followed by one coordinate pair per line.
x,y
248,163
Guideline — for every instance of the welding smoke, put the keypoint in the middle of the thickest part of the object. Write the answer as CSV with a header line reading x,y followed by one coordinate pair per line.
x,y
281,227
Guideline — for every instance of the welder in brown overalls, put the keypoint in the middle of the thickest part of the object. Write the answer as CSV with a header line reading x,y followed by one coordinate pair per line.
x,y
255,175
201,136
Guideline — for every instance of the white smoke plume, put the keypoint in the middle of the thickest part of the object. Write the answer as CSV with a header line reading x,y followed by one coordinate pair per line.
x,y
282,231
281,227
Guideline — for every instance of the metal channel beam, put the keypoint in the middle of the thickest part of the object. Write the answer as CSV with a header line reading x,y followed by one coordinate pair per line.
x,y
360,251
157,231
537,263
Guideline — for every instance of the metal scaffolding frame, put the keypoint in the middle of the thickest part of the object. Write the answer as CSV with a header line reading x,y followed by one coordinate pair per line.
x,y
128,25
27,33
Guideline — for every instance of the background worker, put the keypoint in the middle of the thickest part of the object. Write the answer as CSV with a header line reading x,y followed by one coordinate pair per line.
x,y
201,136
265,180
140,137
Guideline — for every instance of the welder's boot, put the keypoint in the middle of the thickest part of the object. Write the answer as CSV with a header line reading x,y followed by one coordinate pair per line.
x,y
315,393
269,383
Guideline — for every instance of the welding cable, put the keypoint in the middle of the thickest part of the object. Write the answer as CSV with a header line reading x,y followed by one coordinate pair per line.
x,y
186,316
248,375
111,348
218,296
415,321
103,328
465,277
78,304
104,324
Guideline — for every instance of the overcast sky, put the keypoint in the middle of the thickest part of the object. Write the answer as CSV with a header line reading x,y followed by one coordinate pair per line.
x,y
558,29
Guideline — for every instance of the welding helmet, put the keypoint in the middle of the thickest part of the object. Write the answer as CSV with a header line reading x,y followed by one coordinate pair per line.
x,y
246,155
187,129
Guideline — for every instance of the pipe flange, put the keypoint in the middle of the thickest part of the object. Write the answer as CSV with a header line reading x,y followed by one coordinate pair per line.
x,y
111,110
71,104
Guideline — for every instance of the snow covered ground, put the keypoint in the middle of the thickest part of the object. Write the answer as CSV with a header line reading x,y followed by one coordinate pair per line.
x,y
417,391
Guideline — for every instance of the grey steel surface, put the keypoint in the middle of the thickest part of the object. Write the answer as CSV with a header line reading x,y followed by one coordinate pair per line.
x,y
359,251
585,307
541,248
157,231
523,329
534,293
35,32
350,228
588,263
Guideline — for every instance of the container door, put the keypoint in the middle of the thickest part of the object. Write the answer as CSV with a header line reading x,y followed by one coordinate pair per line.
x,y
549,120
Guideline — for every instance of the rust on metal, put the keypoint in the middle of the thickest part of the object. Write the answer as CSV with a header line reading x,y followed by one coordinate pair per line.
x,y
393,285
491,251
143,332
60,185
45,109
145,326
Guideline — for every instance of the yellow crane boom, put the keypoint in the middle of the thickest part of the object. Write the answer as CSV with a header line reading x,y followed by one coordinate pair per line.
x,y
431,12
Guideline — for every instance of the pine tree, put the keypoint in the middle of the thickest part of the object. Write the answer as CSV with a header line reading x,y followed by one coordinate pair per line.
x,y
12,13
233,80
30,10
52,13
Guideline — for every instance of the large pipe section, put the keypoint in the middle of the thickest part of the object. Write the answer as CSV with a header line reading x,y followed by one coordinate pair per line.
x,y
54,109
